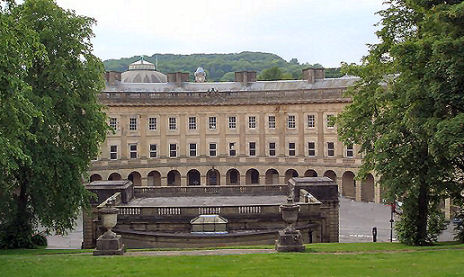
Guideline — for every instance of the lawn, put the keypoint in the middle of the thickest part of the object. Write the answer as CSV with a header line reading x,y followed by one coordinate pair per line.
x,y
357,259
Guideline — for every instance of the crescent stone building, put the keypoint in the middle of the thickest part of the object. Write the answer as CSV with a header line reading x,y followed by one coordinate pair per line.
x,y
169,132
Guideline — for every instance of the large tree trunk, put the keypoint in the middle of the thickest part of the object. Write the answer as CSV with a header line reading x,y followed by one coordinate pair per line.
x,y
19,229
422,214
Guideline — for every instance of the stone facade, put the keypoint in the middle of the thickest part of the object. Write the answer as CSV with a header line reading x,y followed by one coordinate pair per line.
x,y
237,133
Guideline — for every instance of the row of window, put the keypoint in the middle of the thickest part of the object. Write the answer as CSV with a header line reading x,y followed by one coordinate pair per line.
x,y
153,150
232,123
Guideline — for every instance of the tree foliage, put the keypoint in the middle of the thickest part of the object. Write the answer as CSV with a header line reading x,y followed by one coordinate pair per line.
x,y
50,122
221,67
272,74
408,111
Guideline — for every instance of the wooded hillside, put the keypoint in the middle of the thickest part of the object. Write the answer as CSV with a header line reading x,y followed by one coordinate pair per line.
x,y
221,67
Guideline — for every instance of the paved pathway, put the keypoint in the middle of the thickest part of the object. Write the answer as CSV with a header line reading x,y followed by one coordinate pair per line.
x,y
356,222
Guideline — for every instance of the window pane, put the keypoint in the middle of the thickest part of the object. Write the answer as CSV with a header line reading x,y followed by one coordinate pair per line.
x,y
272,122
311,121
291,122
232,122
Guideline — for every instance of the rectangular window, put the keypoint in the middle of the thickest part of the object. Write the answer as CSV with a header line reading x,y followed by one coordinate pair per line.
x,y
291,124
113,122
192,123
133,151
272,149
271,122
113,152
291,149
212,122
152,123
193,149
311,149
212,149
311,121
133,123
232,122
252,146
349,150
330,149
232,150
172,150
330,121
172,123
153,150
252,122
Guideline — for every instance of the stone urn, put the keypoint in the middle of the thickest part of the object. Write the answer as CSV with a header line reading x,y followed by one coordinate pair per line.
x,y
289,214
109,243
109,217
290,239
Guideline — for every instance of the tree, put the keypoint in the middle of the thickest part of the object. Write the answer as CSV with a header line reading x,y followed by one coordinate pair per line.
x,y
407,111
49,116
273,74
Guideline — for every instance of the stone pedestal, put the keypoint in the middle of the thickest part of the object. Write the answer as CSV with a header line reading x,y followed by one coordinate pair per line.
x,y
109,243
109,246
290,242
290,239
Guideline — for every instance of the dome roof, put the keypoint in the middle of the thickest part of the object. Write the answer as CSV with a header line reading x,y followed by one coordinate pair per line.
x,y
142,72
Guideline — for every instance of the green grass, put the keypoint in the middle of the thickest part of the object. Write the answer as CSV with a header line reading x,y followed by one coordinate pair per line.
x,y
358,259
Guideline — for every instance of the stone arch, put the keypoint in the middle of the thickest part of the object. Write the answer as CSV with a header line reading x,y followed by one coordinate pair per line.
x,y
136,178
95,177
173,178
213,177
348,185
331,174
232,177
310,173
193,178
114,177
272,176
154,179
290,173
367,188
252,177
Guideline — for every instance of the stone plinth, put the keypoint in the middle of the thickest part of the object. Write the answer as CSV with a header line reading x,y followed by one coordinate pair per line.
x,y
290,241
109,246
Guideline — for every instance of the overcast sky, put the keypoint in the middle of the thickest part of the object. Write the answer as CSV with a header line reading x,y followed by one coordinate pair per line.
x,y
315,31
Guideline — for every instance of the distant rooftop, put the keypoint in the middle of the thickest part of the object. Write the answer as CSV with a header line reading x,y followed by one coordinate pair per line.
x,y
327,83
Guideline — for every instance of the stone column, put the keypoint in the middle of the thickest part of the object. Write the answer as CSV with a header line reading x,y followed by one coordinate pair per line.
x,y
144,181
242,179
202,180
183,181
143,126
124,146
301,141
377,195
164,181
358,188
223,178
163,148
320,135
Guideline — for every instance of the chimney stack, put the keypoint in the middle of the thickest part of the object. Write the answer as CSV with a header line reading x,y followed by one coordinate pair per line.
x,y
178,78
112,78
245,77
313,74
